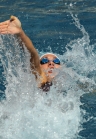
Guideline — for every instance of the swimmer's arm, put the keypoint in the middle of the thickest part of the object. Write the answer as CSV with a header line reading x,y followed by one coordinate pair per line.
x,y
35,62
13,26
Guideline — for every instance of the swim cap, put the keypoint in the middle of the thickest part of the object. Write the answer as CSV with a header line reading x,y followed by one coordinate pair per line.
x,y
49,54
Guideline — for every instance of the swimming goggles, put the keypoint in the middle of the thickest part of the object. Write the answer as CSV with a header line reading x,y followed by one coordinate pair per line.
x,y
46,60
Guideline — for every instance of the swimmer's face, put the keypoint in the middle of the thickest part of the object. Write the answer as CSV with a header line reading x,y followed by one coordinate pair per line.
x,y
50,66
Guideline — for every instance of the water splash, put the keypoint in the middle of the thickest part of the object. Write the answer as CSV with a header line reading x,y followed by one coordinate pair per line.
x,y
28,112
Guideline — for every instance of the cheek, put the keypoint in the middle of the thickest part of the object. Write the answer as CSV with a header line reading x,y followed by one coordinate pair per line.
x,y
45,66
57,66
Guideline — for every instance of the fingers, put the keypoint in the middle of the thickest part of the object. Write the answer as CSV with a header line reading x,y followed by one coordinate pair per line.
x,y
4,23
4,29
4,26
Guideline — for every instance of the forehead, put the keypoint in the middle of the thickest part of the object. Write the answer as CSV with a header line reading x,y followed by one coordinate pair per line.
x,y
49,56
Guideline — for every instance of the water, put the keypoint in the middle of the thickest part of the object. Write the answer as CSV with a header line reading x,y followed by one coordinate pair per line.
x,y
67,111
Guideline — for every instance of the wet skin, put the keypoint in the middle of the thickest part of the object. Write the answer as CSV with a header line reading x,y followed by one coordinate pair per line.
x,y
49,67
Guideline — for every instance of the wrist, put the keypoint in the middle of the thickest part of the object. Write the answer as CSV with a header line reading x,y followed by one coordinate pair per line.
x,y
21,34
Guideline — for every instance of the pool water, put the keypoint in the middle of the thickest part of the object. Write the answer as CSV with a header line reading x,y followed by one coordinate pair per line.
x,y
68,110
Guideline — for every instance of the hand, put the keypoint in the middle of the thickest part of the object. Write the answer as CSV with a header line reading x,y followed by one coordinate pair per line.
x,y
12,26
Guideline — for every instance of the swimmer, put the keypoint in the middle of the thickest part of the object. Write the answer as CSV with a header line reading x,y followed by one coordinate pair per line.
x,y
42,67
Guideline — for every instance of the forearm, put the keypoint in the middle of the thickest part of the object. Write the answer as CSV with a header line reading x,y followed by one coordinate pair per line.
x,y
35,64
28,43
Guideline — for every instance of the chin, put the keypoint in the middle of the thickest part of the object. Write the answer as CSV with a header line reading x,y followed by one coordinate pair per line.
x,y
51,75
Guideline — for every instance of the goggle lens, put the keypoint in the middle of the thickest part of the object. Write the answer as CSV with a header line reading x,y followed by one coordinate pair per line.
x,y
46,60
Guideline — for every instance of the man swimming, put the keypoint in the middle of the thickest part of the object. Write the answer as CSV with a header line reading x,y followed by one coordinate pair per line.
x,y
43,67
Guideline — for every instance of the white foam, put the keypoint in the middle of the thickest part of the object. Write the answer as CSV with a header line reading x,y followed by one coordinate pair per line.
x,y
28,112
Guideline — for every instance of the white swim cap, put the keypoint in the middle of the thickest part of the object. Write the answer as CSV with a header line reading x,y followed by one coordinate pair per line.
x,y
49,54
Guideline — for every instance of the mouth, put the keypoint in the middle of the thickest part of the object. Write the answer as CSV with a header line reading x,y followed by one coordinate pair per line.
x,y
50,71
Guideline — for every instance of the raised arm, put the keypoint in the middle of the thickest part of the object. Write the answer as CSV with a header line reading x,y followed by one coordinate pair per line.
x,y
35,62
13,26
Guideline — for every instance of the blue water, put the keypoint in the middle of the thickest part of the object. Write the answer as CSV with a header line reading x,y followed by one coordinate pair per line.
x,y
53,26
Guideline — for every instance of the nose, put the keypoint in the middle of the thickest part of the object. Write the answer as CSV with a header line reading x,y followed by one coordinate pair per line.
x,y
51,63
